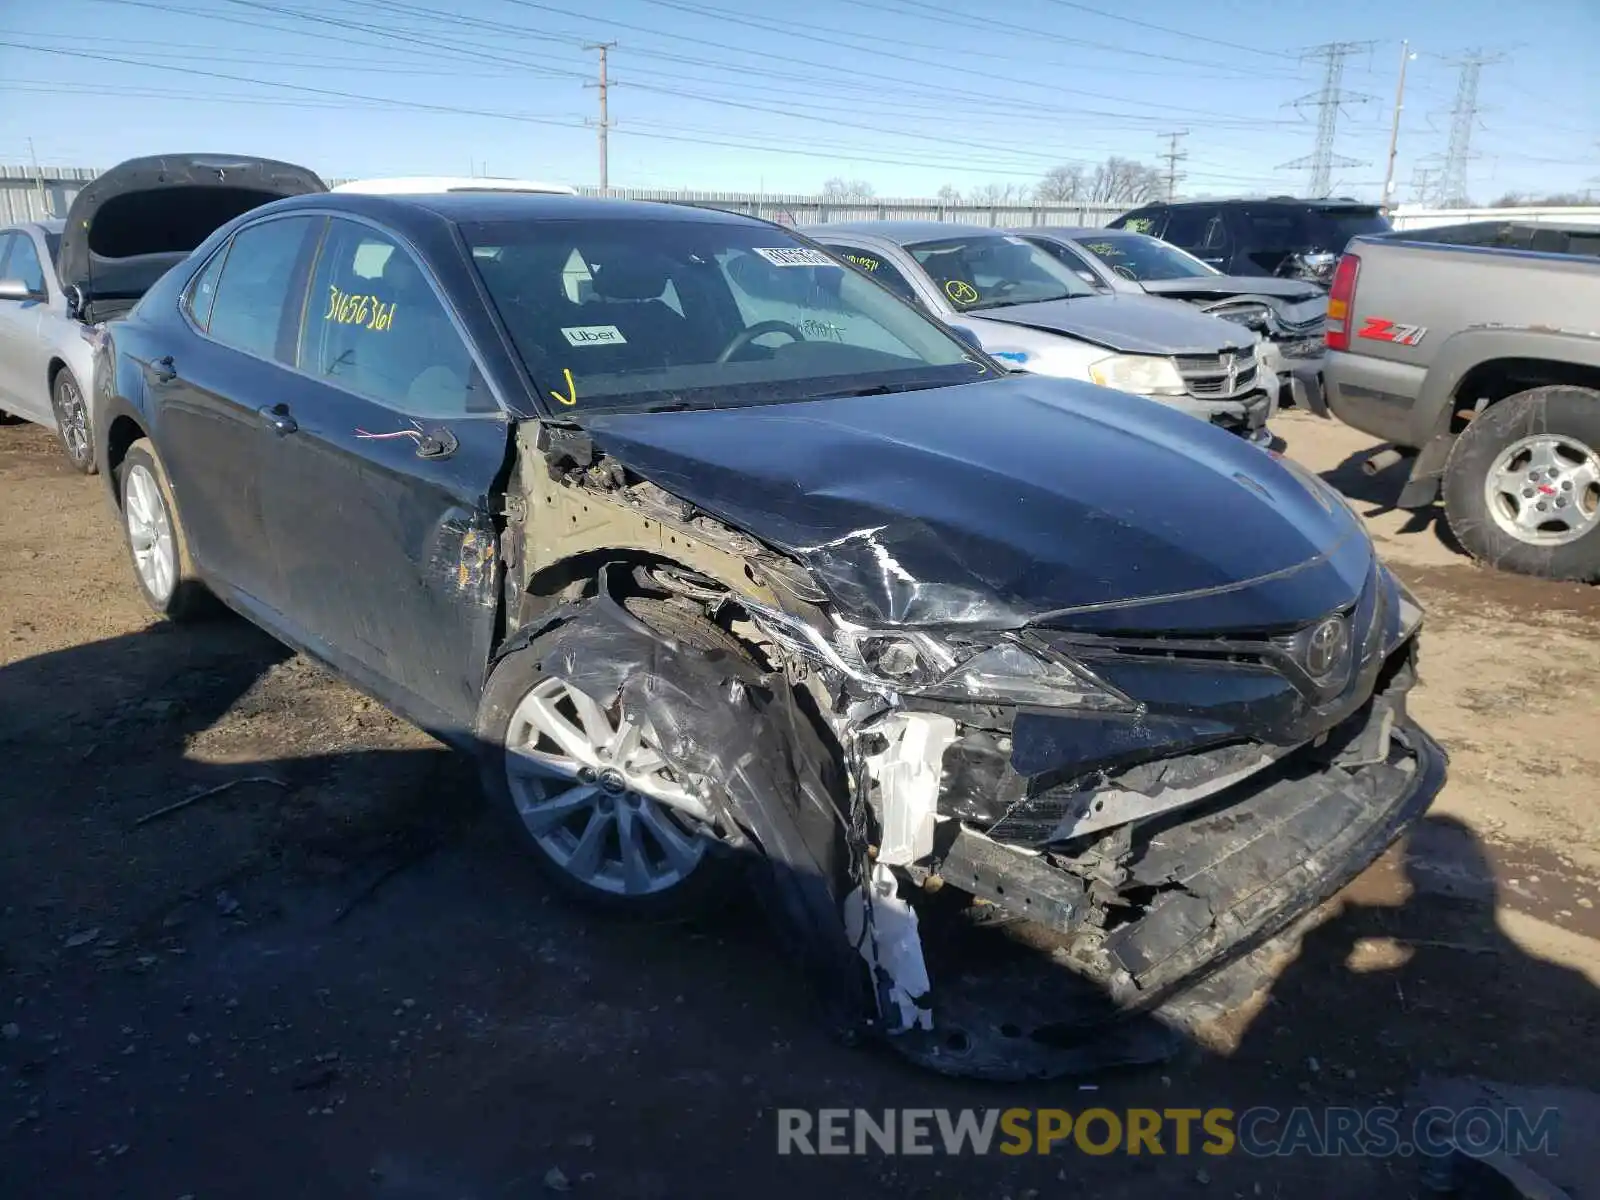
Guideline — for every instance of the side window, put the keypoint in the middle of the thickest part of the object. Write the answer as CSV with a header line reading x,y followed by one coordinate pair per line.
x,y
1216,235
884,272
256,301
23,263
1187,228
374,326
5,253
203,290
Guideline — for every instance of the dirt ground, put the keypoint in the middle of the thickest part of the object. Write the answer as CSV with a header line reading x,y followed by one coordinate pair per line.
x,y
336,978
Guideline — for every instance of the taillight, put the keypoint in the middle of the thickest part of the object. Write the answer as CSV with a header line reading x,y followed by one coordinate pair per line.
x,y
1342,302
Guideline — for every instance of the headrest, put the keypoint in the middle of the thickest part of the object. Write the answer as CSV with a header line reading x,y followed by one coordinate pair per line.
x,y
631,279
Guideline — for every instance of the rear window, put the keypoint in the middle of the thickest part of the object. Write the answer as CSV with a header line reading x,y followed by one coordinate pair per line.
x,y
1332,229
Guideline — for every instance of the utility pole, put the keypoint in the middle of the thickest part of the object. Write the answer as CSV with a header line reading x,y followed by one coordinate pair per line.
x,y
1328,101
1173,158
603,126
1463,116
1394,130
38,182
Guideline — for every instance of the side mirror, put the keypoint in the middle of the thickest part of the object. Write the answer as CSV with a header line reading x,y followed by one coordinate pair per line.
x,y
966,335
15,289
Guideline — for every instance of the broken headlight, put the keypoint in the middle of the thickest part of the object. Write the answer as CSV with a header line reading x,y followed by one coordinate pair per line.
x,y
959,667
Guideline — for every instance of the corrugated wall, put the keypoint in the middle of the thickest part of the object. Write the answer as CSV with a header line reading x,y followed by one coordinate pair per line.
x,y
26,196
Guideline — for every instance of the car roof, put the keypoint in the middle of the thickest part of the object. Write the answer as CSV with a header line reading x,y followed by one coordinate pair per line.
x,y
902,233
469,207
1284,201
47,224
408,185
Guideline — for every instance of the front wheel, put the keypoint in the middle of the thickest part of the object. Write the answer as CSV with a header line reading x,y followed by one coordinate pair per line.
x,y
604,812
1522,487
72,421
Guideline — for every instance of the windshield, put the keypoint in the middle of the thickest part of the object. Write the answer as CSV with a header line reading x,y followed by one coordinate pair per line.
x,y
989,271
638,314
1139,258
1333,228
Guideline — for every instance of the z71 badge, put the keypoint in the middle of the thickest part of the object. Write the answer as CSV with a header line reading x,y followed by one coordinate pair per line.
x,y
1380,330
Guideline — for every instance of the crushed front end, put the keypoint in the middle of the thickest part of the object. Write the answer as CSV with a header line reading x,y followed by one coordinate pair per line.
x,y
1159,803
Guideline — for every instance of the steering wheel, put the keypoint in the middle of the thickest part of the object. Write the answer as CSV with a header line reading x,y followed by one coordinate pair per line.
x,y
1125,272
760,329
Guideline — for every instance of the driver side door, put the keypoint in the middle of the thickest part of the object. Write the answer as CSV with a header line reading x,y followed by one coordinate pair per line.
x,y
23,388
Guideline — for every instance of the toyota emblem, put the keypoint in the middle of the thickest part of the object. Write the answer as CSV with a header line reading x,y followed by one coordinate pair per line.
x,y
1327,646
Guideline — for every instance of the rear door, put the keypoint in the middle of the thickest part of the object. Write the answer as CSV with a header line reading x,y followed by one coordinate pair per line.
x,y
215,393
20,392
376,492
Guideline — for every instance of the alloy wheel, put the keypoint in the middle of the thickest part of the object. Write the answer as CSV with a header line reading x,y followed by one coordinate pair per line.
x,y
594,790
72,417
150,534
1545,490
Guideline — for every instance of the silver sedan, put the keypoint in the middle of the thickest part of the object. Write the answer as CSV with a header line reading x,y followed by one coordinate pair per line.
x,y
46,357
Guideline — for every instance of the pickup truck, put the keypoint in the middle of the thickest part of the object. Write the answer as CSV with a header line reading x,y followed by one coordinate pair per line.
x,y
1482,366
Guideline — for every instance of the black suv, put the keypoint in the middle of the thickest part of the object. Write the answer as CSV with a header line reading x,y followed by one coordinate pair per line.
x,y
1282,236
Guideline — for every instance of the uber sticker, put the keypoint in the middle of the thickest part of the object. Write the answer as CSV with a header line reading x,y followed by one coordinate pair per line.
x,y
793,256
594,335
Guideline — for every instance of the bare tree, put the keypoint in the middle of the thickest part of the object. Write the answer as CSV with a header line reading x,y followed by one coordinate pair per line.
x,y
1123,181
950,194
848,189
1061,185
1555,200
999,193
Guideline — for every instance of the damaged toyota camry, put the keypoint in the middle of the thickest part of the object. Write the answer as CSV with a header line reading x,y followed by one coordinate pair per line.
x,y
727,563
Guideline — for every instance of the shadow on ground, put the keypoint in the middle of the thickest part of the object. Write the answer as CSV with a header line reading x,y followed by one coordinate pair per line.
x,y
347,981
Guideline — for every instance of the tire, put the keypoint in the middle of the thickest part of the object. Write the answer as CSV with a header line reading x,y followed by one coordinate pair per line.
x,y
72,421
153,532
667,887
1537,447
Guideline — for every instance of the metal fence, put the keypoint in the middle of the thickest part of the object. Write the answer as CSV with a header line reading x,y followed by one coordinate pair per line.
x,y
28,195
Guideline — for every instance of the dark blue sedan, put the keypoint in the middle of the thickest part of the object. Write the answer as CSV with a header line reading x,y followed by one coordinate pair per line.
x,y
718,554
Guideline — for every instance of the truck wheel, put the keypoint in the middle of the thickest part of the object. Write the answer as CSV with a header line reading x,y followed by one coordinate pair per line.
x,y
604,814
1522,486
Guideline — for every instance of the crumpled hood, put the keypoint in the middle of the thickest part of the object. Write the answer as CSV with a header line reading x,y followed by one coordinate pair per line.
x,y
1223,286
1133,324
1016,501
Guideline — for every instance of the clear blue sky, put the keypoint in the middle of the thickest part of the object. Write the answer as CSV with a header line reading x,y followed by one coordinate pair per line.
x,y
908,95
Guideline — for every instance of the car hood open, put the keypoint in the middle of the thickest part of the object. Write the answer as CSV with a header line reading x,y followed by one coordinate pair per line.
x,y
130,225
1132,324
1017,501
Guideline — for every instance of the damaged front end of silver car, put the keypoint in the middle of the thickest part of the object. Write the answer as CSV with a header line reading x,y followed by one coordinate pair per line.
x,y
1151,807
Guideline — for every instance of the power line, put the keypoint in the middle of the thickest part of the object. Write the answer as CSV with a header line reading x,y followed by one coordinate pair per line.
x,y
1328,101
1234,46
1173,157
1463,116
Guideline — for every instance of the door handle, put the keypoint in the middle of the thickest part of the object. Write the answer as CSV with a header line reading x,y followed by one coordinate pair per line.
x,y
278,419
163,369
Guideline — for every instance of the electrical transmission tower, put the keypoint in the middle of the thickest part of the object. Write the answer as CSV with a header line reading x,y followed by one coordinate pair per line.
x,y
1328,101
1174,156
1463,116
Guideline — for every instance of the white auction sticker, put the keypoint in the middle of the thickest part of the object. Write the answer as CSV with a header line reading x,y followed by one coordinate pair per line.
x,y
594,335
794,256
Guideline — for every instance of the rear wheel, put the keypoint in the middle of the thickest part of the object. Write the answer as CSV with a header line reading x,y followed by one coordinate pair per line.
x,y
597,801
1522,487
72,421
154,534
